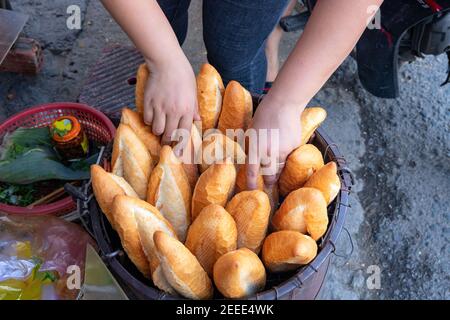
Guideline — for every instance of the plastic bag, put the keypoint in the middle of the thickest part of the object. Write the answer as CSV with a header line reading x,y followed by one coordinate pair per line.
x,y
36,254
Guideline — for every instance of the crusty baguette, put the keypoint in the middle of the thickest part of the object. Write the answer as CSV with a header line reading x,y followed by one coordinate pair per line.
x,y
127,229
288,250
251,211
191,155
215,186
144,132
210,91
131,160
326,180
239,274
106,187
169,191
149,220
141,81
217,147
237,108
212,235
310,120
300,166
181,268
304,210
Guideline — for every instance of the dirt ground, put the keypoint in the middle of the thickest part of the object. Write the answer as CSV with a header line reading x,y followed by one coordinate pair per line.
x,y
398,149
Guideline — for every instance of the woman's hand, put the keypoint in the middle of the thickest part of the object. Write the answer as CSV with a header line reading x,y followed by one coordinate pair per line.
x,y
170,97
276,118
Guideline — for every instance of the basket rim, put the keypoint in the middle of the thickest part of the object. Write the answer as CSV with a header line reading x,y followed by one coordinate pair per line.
x,y
66,202
327,246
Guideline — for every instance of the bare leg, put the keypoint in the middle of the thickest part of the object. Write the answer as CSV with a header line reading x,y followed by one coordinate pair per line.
x,y
272,45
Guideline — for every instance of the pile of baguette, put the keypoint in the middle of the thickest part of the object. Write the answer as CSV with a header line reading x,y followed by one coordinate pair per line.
x,y
192,228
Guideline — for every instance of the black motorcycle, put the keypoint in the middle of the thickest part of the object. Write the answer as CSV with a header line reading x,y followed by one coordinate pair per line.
x,y
406,30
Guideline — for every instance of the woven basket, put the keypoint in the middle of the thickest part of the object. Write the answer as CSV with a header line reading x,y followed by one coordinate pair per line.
x,y
304,283
96,125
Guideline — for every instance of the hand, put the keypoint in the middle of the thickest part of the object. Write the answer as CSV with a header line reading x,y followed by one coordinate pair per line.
x,y
271,115
170,97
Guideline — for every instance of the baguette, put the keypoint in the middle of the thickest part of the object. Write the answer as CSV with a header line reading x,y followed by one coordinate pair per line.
x,y
217,147
141,81
127,229
148,221
136,123
237,108
310,120
106,187
215,186
131,160
327,181
181,268
239,274
304,210
169,191
251,211
300,166
210,91
212,235
190,156
287,250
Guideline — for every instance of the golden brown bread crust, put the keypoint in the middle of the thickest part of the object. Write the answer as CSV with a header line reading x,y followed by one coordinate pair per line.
x,y
131,160
211,235
215,186
181,268
251,211
169,191
288,250
326,180
210,91
237,108
190,156
149,220
300,166
127,229
304,210
310,120
143,132
216,147
141,81
239,274
106,186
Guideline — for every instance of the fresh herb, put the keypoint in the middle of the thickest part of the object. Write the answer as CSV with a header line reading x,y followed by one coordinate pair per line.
x,y
17,195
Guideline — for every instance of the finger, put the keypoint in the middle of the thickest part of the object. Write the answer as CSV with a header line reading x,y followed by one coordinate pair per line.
x,y
186,123
171,125
159,123
185,127
148,115
252,176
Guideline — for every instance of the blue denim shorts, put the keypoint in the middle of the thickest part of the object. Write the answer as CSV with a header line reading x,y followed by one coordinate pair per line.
x,y
235,32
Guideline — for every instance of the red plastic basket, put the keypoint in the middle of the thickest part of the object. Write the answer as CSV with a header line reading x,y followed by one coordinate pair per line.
x,y
96,125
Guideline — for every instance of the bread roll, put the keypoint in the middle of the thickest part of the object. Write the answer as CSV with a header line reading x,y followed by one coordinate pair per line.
x,y
126,227
239,274
215,186
210,91
300,166
251,211
310,120
169,191
136,123
181,268
148,221
304,210
287,250
274,197
217,147
191,155
131,160
106,186
237,108
326,180
212,235
141,81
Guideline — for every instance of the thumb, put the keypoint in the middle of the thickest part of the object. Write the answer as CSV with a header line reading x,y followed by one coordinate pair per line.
x,y
252,176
